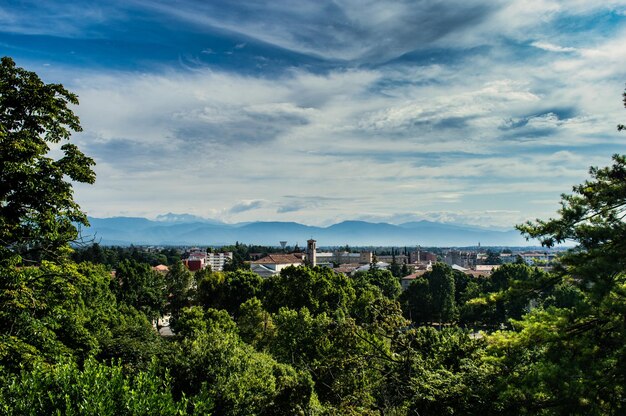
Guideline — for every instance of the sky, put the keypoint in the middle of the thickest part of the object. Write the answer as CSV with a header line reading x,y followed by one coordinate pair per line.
x,y
476,112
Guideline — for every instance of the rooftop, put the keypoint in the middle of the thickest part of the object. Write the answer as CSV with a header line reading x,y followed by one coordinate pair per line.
x,y
279,259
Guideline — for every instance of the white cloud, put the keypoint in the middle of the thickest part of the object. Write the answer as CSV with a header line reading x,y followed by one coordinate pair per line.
x,y
547,46
488,127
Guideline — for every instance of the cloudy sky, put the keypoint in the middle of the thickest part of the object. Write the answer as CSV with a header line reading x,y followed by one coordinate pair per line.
x,y
475,111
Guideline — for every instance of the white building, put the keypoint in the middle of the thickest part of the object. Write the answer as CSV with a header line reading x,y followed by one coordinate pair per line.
x,y
218,260
273,263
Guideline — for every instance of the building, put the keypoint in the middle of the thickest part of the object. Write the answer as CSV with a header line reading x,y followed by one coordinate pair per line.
x,y
273,263
465,259
218,260
486,267
420,256
198,260
380,265
538,258
347,269
329,258
406,281
311,253
399,258
161,268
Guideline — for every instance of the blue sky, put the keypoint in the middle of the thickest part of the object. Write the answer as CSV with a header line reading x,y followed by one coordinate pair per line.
x,y
479,112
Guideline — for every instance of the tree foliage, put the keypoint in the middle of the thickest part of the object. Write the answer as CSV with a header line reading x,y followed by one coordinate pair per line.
x,y
137,285
94,389
37,210
431,297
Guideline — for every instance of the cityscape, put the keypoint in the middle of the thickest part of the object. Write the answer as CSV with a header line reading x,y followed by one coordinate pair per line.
x,y
312,208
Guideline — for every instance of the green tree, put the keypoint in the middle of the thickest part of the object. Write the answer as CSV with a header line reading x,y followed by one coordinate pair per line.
x,y
570,358
319,289
228,290
255,324
178,281
340,356
94,389
228,377
137,285
383,279
445,373
37,210
53,311
395,268
493,257
417,301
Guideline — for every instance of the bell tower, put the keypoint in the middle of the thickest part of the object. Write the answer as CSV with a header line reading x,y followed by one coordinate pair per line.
x,y
310,252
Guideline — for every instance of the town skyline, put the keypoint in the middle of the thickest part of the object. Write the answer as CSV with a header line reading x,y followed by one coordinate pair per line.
x,y
478,113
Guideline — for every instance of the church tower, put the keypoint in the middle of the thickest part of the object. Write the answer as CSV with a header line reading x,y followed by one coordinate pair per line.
x,y
310,252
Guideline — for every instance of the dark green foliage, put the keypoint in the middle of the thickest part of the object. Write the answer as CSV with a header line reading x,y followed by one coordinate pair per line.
x,y
52,311
133,342
180,294
383,279
255,324
236,263
318,289
510,292
447,374
493,258
228,377
336,352
441,284
137,285
94,389
417,301
431,298
37,210
112,256
227,290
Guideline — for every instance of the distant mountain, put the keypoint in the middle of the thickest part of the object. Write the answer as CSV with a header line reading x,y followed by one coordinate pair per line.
x,y
181,218
185,229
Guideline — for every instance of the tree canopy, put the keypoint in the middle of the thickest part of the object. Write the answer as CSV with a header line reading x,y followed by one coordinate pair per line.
x,y
37,209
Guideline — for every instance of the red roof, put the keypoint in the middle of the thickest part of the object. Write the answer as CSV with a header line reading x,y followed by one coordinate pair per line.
x,y
415,275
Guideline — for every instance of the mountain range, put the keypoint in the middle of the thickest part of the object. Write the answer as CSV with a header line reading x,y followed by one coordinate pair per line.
x,y
185,229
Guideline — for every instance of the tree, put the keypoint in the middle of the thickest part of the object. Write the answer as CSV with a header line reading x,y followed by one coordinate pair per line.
x,y
417,301
230,378
137,285
569,357
228,290
254,323
37,210
383,279
178,282
493,258
441,283
319,289
52,311
94,389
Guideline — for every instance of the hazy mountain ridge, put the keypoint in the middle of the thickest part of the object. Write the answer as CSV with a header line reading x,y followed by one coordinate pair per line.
x,y
136,230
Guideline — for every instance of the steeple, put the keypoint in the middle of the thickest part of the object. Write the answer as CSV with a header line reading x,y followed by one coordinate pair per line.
x,y
310,252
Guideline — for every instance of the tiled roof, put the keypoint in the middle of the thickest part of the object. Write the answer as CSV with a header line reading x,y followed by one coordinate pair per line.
x,y
347,268
279,259
478,273
415,275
